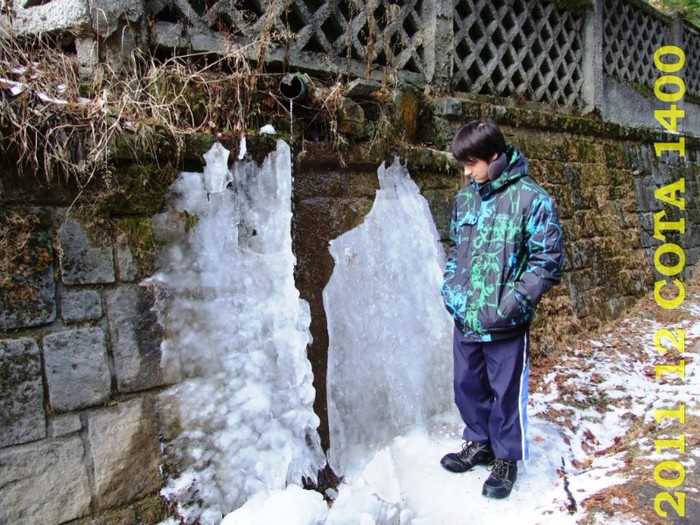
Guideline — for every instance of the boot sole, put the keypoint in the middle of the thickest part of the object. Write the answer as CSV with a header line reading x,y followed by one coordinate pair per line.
x,y
496,493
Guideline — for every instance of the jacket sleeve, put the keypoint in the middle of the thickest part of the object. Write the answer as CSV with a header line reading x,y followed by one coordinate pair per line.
x,y
545,252
451,264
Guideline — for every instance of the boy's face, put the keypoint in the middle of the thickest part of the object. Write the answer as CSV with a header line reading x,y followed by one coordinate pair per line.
x,y
478,170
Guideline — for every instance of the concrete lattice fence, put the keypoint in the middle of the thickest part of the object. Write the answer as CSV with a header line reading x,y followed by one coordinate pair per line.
x,y
561,53
519,48
633,33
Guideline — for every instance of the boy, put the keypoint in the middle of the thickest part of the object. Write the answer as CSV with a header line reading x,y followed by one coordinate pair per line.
x,y
505,252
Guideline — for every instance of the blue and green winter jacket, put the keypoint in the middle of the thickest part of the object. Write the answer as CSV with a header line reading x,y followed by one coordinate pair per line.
x,y
505,251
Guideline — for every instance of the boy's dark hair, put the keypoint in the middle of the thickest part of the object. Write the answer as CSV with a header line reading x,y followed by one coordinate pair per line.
x,y
478,140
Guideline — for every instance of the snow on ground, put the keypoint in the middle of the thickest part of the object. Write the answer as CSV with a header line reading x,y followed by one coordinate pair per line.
x,y
580,414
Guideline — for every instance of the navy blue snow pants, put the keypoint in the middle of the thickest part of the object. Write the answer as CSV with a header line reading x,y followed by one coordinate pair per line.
x,y
490,384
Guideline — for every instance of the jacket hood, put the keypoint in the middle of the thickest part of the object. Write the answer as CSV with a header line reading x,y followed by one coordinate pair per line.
x,y
516,168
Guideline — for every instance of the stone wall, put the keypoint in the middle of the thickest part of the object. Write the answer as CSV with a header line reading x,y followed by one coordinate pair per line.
x,y
79,362
80,347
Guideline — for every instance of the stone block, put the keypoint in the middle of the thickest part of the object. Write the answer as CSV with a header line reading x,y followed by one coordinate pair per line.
x,y
56,15
126,266
81,305
361,87
44,482
28,292
77,370
83,261
168,34
125,452
136,337
22,416
448,107
351,118
65,424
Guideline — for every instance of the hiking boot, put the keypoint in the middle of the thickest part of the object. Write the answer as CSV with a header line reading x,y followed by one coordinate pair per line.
x,y
472,454
500,482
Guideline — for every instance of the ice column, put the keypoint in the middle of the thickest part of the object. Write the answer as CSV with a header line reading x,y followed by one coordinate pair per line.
x,y
389,357
241,421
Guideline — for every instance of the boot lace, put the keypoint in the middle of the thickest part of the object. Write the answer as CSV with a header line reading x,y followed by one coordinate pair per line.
x,y
501,468
469,448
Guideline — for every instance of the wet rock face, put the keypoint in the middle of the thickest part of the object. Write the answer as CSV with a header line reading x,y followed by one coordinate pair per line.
x,y
327,202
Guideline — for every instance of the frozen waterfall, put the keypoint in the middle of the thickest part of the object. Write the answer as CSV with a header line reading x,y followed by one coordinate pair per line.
x,y
389,356
241,421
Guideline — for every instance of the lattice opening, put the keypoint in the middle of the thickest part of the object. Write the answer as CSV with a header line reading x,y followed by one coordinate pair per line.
x,y
561,39
395,44
199,6
536,13
314,45
462,50
474,73
497,77
692,56
381,59
252,8
380,15
518,81
562,72
486,55
363,35
332,30
223,23
508,58
410,25
509,22
519,8
295,19
411,66
518,41
498,39
347,10
313,5
536,82
463,9
545,34
537,47
487,15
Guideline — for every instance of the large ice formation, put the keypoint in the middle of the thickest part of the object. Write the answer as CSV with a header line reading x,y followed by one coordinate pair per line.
x,y
389,356
241,421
